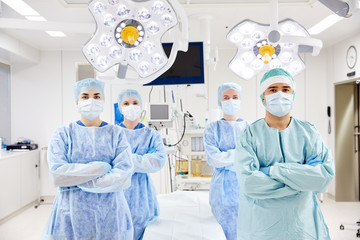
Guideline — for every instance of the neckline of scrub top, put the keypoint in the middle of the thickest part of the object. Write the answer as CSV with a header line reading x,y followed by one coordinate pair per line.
x,y
282,131
139,126
237,120
101,125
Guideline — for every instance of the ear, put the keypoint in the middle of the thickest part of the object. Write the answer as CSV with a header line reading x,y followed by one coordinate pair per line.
x,y
264,101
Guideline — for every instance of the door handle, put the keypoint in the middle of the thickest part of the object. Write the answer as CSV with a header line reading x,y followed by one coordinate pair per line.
x,y
356,136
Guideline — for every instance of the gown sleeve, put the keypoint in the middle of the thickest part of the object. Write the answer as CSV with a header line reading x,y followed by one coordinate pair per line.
x,y
305,177
63,172
154,159
252,182
215,157
119,177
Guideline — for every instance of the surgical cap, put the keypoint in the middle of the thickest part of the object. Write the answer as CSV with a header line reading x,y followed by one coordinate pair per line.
x,y
276,75
226,86
128,93
88,84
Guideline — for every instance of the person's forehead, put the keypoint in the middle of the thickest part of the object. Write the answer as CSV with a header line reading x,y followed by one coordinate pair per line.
x,y
91,92
230,92
130,100
278,85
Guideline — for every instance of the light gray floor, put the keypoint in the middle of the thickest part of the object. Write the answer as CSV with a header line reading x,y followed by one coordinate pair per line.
x,y
30,223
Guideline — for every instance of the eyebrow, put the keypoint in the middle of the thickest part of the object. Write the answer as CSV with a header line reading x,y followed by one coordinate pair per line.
x,y
84,94
226,95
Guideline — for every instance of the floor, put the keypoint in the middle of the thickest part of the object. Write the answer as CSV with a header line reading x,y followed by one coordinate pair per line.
x,y
29,224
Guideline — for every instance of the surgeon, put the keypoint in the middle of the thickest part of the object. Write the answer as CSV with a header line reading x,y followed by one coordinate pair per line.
x,y
90,163
282,164
148,157
220,140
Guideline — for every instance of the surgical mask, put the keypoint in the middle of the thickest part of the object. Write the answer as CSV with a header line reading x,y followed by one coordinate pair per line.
x,y
279,104
231,106
90,108
131,112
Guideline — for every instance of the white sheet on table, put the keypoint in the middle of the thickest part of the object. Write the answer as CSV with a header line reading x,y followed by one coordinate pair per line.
x,y
184,215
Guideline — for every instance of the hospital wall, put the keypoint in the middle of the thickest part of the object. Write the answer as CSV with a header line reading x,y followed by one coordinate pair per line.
x,y
42,94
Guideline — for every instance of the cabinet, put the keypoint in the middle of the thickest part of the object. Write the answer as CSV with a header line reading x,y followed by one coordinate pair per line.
x,y
192,171
19,180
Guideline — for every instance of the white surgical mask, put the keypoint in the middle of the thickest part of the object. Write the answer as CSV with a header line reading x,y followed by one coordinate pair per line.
x,y
279,104
90,108
131,112
231,106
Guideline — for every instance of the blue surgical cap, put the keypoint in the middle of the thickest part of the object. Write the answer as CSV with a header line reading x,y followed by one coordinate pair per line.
x,y
276,75
88,84
226,86
128,93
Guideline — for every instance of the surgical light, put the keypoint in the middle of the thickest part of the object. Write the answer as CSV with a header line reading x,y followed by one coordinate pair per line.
x,y
261,47
129,33
257,53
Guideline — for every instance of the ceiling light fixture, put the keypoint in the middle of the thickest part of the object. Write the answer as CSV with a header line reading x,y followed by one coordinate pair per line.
x,y
36,18
56,33
325,24
262,47
21,7
129,34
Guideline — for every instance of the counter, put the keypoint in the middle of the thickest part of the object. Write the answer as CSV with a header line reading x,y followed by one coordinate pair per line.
x,y
4,154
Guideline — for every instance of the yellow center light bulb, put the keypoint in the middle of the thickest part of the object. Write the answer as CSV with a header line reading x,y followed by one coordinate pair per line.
x,y
266,51
130,35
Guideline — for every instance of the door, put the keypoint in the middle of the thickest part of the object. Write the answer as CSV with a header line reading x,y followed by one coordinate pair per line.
x,y
5,104
347,143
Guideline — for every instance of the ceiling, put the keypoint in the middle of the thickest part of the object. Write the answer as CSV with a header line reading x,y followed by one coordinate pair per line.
x,y
73,18
73,2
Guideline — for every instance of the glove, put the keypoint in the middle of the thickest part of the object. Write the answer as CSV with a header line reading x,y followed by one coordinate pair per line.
x,y
265,170
314,160
151,150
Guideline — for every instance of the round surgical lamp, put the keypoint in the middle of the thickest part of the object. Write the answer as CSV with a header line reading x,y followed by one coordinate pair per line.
x,y
261,47
129,33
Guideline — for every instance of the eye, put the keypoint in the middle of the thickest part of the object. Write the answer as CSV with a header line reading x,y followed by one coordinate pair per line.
x,y
286,90
226,97
97,97
84,97
126,104
235,97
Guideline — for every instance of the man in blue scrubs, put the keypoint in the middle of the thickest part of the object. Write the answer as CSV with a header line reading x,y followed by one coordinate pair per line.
x,y
281,163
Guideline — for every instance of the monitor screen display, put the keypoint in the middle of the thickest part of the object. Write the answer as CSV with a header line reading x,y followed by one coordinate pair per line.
x,y
159,112
188,67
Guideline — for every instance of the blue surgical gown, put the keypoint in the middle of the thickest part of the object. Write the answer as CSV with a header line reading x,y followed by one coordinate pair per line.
x,y
220,141
91,166
283,206
149,156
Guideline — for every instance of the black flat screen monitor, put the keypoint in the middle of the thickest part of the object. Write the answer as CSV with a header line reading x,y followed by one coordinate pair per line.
x,y
188,67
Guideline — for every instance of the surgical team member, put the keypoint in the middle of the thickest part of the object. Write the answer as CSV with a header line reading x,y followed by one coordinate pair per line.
x,y
148,157
282,163
220,140
90,162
